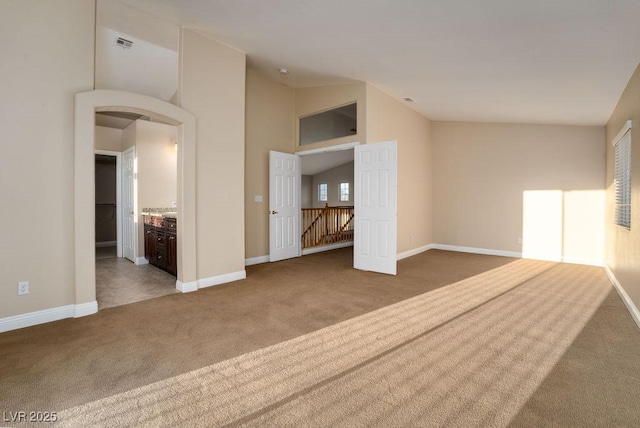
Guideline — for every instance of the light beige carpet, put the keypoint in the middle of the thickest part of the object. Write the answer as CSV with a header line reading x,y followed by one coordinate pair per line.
x,y
469,354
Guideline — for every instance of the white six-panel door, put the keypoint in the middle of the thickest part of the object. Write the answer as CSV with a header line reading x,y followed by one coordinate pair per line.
x,y
375,234
128,205
284,206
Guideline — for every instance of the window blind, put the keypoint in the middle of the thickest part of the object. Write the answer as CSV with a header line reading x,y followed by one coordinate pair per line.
x,y
622,180
322,192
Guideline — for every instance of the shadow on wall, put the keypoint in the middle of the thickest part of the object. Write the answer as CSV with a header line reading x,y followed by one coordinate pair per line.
x,y
560,225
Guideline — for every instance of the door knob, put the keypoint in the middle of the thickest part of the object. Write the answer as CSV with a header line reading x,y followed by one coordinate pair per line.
x,y
274,212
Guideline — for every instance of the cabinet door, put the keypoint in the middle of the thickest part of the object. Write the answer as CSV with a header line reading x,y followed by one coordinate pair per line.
x,y
150,245
171,253
147,242
161,259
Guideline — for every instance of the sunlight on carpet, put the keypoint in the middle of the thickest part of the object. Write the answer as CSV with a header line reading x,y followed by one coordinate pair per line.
x,y
471,353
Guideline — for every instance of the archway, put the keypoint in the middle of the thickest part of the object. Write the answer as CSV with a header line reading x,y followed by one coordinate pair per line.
x,y
86,105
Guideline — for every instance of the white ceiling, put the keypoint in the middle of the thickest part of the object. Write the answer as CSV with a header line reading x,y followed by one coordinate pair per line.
x,y
527,61
118,120
320,162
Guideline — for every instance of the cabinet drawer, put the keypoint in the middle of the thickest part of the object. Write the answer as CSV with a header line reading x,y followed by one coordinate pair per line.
x,y
160,260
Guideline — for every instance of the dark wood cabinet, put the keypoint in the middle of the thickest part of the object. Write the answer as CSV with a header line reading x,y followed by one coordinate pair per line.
x,y
160,243
171,253
150,243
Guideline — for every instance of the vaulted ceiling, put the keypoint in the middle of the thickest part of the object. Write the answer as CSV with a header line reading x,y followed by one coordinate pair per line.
x,y
542,61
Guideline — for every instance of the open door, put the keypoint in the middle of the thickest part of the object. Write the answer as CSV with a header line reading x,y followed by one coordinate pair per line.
x,y
284,206
128,205
375,177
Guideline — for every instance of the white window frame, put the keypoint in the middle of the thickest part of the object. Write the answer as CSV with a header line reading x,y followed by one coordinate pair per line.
x,y
341,195
323,193
622,176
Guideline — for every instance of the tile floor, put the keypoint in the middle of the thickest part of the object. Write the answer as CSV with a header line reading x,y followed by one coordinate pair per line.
x,y
120,282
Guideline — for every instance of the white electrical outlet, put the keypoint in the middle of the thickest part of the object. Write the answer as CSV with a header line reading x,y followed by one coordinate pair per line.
x,y
23,288
411,238
519,241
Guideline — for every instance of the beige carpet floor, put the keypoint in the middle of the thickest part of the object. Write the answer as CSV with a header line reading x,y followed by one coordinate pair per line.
x,y
523,342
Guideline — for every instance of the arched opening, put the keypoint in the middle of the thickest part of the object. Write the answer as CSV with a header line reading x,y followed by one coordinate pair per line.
x,y
86,105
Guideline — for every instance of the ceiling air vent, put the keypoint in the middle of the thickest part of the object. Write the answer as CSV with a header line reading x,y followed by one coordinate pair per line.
x,y
124,43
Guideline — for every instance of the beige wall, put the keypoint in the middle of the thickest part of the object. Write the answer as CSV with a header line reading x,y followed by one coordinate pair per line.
x,y
108,139
272,109
623,246
484,172
49,58
212,87
389,119
157,165
155,41
306,190
129,136
132,22
333,178
317,99
269,126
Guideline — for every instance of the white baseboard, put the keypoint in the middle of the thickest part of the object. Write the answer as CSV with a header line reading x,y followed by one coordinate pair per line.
x,y
476,250
84,309
222,279
141,261
314,250
256,260
187,287
415,251
633,309
106,244
579,261
47,315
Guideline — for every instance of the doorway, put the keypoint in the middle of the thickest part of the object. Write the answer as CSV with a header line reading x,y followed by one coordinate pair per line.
x,y
375,202
107,202
327,199
144,174
86,105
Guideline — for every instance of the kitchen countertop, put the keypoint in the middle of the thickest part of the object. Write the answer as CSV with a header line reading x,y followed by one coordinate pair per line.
x,y
160,212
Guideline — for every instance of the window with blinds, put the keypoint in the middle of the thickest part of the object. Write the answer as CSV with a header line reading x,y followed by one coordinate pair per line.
x,y
344,192
622,180
322,192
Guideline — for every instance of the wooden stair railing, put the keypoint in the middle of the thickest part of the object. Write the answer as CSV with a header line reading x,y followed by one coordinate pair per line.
x,y
327,225
308,213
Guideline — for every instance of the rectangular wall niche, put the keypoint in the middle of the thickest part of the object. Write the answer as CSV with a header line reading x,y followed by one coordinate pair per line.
x,y
329,124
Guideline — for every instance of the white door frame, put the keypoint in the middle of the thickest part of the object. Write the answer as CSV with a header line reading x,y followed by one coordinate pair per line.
x,y
86,106
335,148
118,156
301,153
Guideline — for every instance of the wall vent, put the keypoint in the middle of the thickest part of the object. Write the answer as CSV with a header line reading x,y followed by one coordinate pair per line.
x,y
124,43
